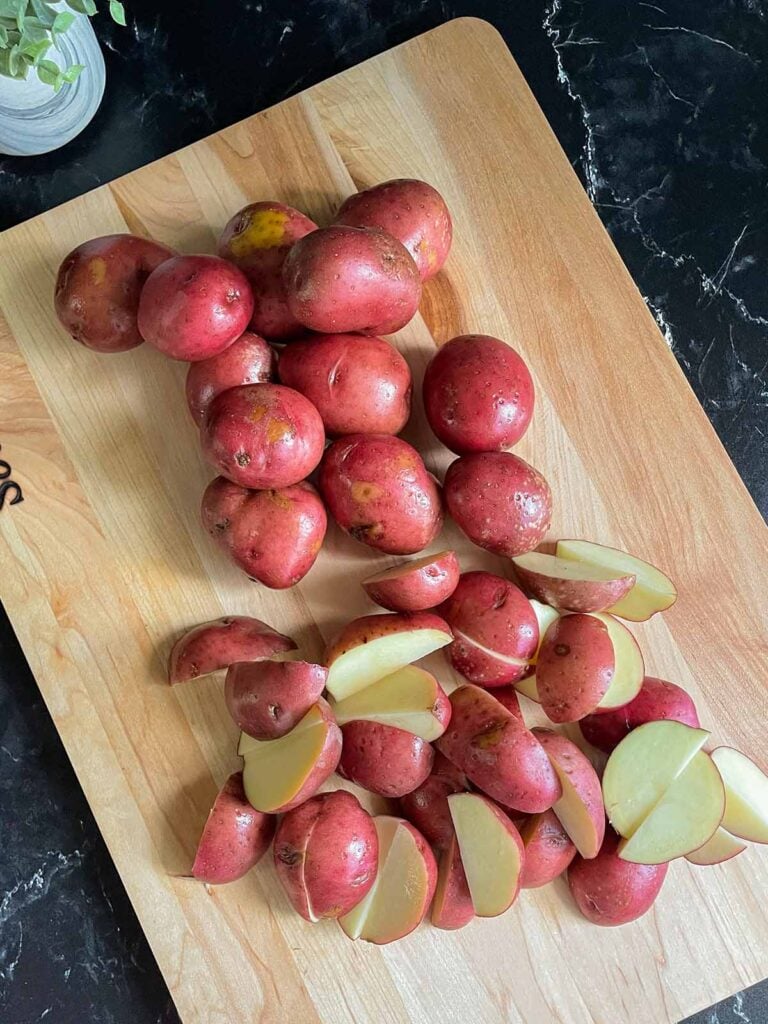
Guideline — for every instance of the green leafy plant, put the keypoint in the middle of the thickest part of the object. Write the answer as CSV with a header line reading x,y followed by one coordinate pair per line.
x,y
28,30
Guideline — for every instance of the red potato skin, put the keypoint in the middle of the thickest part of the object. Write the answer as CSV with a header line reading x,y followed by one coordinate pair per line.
x,y
371,627
96,296
489,611
452,906
564,595
498,753
423,587
609,891
235,836
257,240
548,850
193,307
478,394
378,490
325,765
410,210
657,700
500,502
326,855
359,385
274,536
262,436
507,696
427,806
575,667
218,644
351,280
577,766
249,360
267,698
384,760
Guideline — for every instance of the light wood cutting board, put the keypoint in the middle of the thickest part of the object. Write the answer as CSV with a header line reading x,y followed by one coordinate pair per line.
x,y
104,563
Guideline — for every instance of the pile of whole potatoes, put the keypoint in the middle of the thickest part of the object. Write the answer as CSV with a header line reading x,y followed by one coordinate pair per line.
x,y
289,377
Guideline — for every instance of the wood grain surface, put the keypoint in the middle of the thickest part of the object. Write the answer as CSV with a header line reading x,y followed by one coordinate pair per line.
x,y
104,563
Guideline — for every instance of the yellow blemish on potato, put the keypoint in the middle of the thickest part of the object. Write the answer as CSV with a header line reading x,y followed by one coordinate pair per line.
x,y
362,491
277,429
258,412
264,230
280,500
405,461
490,738
429,252
97,268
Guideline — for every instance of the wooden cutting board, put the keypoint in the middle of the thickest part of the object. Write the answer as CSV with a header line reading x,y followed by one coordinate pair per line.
x,y
104,562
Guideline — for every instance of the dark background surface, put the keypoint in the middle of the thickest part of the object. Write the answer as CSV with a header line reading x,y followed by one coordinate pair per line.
x,y
662,109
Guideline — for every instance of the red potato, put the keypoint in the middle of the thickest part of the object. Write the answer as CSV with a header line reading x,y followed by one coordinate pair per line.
x,y
235,836
96,297
218,644
410,699
249,360
411,211
326,855
426,807
575,667
384,760
268,698
507,696
610,891
452,906
497,753
416,585
193,307
548,850
495,628
500,502
257,240
478,394
342,279
657,700
580,808
569,585
263,436
274,536
359,385
378,490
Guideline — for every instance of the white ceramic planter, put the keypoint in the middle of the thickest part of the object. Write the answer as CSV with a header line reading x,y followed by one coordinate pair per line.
x,y
34,119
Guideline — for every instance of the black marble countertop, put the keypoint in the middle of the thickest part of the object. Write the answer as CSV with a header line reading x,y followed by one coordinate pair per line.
x,y
661,107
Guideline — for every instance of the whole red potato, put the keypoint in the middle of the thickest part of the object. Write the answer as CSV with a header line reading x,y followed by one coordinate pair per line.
x,y
97,290
657,700
274,536
478,394
500,502
610,891
342,279
411,211
249,360
378,490
383,759
262,436
426,807
257,240
359,385
193,307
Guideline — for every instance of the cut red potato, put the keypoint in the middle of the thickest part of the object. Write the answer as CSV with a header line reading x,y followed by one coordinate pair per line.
x,y
610,891
571,586
326,854
545,616
527,686
402,891
268,698
746,795
383,760
215,645
416,585
653,591
721,847
580,808
491,850
548,850
498,753
283,773
235,836
427,806
657,701
575,667
507,696
374,646
452,906
628,666
410,699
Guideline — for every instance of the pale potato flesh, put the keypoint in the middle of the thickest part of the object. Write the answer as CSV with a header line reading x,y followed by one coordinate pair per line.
x,y
573,815
629,669
683,820
642,768
565,569
746,795
722,846
653,591
365,664
275,770
528,688
354,922
247,743
490,856
505,659
403,700
406,568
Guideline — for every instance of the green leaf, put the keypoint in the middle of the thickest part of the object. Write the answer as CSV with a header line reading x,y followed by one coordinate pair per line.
x,y
73,72
62,22
14,61
48,72
33,31
34,52
44,12
83,6
3,36
117,11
